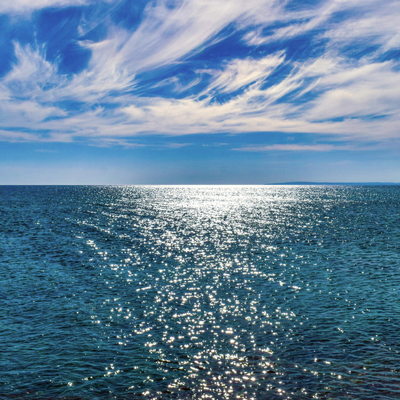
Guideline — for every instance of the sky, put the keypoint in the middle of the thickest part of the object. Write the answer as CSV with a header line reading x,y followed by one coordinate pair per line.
x,y
199,91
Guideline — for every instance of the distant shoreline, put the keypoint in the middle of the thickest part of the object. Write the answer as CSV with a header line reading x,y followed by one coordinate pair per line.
x,y
205,184
336,183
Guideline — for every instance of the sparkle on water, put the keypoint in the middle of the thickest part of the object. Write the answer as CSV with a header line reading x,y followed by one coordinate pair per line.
x,y
199,292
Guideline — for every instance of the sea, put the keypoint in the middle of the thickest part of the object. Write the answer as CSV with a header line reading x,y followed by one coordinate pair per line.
x,y
199,292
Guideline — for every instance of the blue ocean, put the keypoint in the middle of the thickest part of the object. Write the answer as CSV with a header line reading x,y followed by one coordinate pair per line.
x,y
199,292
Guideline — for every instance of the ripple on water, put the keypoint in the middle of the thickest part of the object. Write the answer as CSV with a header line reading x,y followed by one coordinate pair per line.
x,y
199,292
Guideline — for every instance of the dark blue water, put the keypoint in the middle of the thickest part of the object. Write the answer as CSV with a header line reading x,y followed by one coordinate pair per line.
x,y
200,292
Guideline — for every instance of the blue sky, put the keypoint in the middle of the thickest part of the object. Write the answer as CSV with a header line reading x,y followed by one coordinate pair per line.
x,y
200,91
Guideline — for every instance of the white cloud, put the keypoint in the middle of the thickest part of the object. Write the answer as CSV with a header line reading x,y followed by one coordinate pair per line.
x,y
239,73
313,21
368,21
377,24
356,91
343,89
15,136
30,74
293,147
169,33
21,6
339,88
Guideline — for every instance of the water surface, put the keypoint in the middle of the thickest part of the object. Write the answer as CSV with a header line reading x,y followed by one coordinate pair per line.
x,y
277,292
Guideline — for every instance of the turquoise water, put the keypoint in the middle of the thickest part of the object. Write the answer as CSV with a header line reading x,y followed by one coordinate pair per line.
x,y
275,292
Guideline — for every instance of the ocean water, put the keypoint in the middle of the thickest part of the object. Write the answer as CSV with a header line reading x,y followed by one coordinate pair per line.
x,y
236,292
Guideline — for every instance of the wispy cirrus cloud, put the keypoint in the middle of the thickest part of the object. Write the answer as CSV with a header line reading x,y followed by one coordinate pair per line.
x,y
239,73
22,6
372,24
294,147
262,88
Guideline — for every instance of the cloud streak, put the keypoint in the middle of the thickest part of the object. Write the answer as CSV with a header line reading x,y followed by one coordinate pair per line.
x,y
293,147
264,88
23,6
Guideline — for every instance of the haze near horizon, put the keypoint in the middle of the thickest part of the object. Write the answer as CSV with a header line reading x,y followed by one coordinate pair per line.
x,y
199,92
